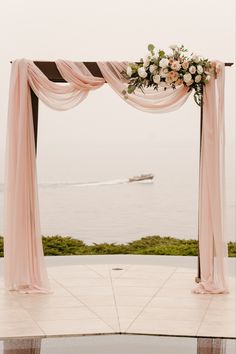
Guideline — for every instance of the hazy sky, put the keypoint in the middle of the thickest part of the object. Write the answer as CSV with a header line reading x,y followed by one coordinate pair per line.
x,y
112,30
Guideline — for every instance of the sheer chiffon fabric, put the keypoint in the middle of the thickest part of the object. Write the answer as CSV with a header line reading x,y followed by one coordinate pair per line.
x,y
154,102
25,269
212,245
24,263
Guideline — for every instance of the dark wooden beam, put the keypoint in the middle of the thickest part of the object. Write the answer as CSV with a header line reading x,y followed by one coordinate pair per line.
x,y
49,68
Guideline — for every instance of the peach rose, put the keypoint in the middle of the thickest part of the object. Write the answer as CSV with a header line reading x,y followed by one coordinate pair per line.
x,y
185,65
179,82
176,65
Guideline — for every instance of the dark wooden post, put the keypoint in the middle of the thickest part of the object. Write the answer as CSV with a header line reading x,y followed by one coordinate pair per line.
x,y
198,278
35,111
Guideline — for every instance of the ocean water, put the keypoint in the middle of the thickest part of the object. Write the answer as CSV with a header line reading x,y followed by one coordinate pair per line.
x,y
94,201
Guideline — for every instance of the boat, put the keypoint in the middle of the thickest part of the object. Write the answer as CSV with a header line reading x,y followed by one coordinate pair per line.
x,y
148,176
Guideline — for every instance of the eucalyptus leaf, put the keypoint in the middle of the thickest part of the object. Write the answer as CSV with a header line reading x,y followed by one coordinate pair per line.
x,y
131,88
151,47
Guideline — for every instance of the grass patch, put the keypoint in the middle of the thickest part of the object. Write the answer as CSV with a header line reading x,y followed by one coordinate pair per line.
x,y
150,245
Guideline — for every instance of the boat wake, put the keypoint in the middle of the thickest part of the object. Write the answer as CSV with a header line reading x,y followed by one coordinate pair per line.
x,y
90,184
104,183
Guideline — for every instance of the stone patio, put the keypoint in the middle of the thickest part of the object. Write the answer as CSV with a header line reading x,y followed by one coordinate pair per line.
x,y
140,295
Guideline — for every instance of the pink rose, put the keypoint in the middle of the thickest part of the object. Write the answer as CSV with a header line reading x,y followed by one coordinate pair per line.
x,y
185,65
178,82
176,65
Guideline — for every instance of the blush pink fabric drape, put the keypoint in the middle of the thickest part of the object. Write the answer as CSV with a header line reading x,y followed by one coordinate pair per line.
x,y
213,247
24,265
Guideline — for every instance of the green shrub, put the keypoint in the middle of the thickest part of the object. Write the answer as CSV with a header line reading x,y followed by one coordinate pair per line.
x,y
150,245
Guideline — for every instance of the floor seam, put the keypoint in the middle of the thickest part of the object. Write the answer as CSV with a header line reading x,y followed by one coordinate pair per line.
x,y
102,276
203,317
150,300
85,305
114,297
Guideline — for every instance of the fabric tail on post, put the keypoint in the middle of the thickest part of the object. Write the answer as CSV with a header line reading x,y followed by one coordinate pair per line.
x,y
24,262
212,246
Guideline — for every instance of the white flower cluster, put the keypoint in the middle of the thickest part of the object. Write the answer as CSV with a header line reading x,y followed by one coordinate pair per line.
x,y
163,70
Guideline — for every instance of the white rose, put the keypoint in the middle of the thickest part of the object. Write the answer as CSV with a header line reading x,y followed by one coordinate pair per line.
x,y
187,77
142,72
146,61
129,71
198,78
199,69
189,83
196,58
163,84
192,69
164,72
157,79
208,78
163,63
152,68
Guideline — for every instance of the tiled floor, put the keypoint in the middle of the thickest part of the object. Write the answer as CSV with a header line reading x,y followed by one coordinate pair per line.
x,y
91,299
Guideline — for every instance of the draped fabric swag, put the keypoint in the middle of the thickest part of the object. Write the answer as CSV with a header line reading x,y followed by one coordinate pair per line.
x,y
25,270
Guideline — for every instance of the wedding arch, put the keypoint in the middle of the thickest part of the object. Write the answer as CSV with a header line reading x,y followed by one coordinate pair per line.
x,y
25,270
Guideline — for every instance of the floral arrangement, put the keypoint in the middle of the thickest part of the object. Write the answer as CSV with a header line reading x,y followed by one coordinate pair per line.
x,y
164,70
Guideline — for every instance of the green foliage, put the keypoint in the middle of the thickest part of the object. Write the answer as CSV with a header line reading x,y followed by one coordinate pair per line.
x,y
131,89
161,53
151,48
58,246
150,245
232,249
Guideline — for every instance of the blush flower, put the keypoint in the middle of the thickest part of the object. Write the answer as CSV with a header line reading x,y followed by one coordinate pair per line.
x,y
179,82
152,68
156,79
129,71
198,78
196,58
142,72
146,63
199,69
189,83
163,72
174,75
176,65
163,63
163,84
185,65
187,77
192,69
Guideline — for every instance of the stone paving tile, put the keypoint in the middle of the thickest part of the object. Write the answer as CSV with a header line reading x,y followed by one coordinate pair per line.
x,y
96,299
